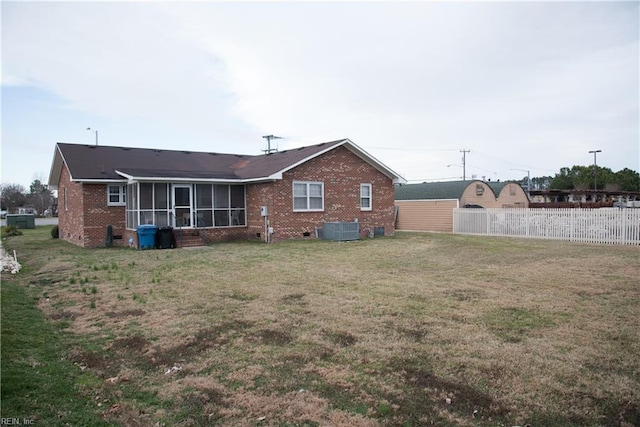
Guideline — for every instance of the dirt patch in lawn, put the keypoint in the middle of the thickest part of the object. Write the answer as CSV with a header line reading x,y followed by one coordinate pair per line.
x,y
274,337
134,344
455,395
100,364
193,346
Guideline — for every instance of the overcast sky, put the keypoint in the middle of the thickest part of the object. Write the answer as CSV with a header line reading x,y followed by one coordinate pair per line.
x,y
522,85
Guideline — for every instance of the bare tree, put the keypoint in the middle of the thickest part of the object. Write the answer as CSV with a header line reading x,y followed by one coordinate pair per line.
x,y
12,196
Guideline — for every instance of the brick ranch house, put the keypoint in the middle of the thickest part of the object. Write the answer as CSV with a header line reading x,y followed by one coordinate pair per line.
x,y
218,197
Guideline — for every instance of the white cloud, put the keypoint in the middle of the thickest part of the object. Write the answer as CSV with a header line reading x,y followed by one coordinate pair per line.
x,y
118,61
532,85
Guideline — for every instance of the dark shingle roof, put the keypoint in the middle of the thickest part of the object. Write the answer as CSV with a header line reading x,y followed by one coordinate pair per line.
x,y
431,190
440,190
106,163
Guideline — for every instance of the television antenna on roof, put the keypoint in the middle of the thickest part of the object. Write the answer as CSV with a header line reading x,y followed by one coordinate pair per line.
x,y
270,150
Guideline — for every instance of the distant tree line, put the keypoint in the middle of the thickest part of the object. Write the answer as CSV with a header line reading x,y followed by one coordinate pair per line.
x,y
582,178
15,196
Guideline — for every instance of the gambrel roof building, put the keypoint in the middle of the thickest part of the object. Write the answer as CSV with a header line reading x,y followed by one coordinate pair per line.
x,y
429,206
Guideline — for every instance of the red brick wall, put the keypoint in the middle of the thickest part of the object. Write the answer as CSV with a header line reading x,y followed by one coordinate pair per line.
x,y
98,215
342,172
85,219
70,217
259,195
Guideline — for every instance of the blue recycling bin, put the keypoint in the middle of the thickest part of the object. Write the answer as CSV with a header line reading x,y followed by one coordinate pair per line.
x,y
147,236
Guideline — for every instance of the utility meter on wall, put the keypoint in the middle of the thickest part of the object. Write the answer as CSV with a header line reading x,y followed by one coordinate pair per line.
x,y
263,211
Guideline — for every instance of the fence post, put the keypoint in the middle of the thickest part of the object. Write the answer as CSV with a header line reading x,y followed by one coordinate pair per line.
x,y
488,222
573,224
455,221
623,229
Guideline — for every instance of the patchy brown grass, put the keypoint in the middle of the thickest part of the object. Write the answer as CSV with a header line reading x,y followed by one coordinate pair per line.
x,y
418,329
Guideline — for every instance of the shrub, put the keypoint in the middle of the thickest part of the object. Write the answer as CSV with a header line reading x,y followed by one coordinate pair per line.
x,y
11,230
55,232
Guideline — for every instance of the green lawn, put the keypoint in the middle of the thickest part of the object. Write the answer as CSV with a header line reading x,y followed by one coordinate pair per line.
x,y
38,384
417,329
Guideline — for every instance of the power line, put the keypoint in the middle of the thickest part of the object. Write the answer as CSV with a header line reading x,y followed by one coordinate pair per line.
x,y
411,149
446,178
528,167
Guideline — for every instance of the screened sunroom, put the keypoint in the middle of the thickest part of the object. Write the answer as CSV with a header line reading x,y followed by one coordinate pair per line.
x,y
185,205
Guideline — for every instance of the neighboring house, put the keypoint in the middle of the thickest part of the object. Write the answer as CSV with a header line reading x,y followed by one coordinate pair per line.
x,y
583,198
429,206
27,211
216,197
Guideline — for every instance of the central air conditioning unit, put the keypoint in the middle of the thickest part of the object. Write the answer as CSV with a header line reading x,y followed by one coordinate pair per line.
x,y
341,231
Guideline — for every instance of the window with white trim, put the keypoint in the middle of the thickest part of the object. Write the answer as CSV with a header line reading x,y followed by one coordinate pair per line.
x,y
308,196
116,195
365,197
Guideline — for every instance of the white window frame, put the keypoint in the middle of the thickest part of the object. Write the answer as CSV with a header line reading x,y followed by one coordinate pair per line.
x,y
121,195
369,197
307,195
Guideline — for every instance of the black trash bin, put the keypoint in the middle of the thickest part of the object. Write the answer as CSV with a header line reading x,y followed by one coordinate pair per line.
x,y
164,238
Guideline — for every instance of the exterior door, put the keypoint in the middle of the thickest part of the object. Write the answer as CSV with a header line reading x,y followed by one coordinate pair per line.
x,y
182,197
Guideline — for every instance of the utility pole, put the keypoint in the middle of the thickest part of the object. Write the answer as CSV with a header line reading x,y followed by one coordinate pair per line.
x,y
528,179
270,150
595,182
464,163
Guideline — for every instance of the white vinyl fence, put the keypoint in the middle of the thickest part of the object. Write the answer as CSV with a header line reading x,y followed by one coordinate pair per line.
x,y
605,225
